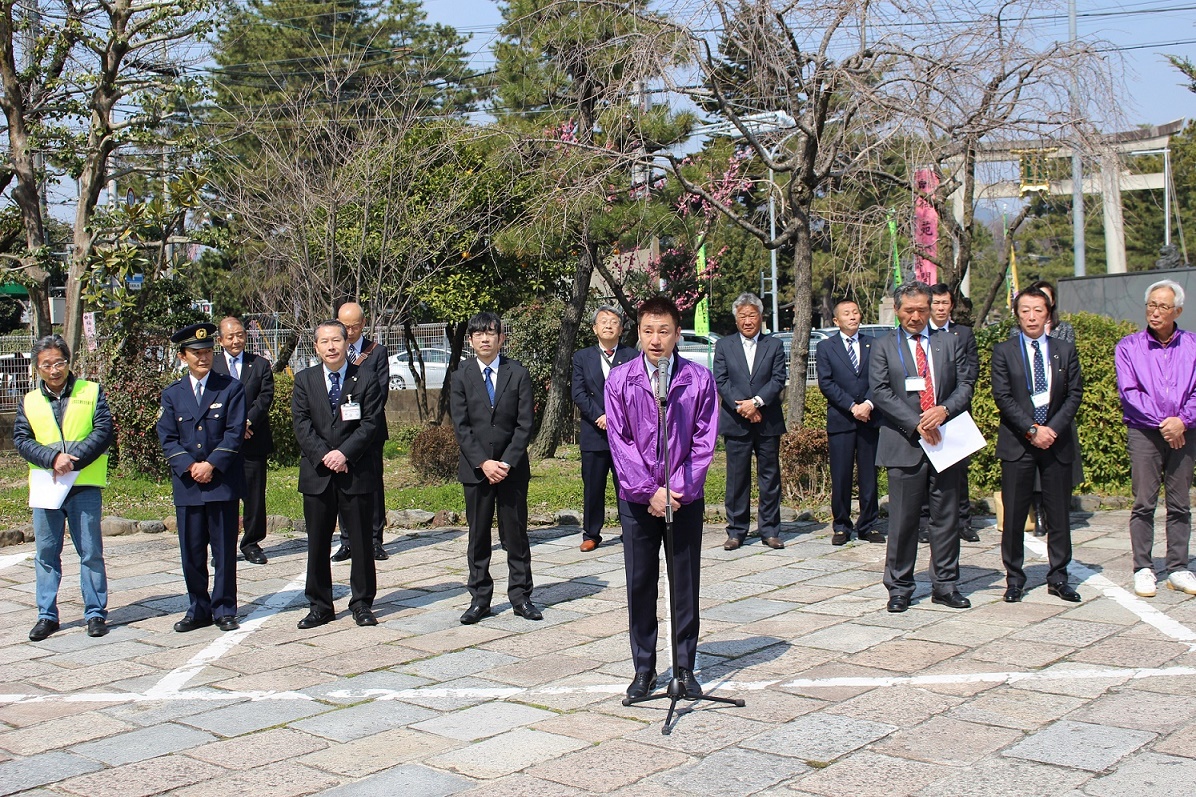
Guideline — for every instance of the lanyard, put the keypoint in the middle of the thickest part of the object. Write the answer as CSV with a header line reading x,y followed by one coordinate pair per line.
x,y
901,352
1026,360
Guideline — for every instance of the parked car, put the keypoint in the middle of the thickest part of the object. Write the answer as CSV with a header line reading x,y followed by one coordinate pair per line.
x,y
699,348
403,368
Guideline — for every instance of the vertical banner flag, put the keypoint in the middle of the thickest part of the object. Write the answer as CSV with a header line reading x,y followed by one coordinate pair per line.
x,y
89,331
702,308
897,279
926,226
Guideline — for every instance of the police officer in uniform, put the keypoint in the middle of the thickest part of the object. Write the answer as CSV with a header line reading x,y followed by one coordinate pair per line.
x,y
201,426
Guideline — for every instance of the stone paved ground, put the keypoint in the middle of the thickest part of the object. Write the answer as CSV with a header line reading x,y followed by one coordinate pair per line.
x,y
842,698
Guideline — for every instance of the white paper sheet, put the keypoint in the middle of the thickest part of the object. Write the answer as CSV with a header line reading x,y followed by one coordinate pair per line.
x,y
48,492
961,438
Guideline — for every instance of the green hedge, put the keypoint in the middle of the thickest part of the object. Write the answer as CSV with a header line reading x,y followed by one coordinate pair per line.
x,y
286,447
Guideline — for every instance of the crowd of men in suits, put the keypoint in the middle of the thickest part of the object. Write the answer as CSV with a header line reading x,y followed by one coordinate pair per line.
x,y
649,422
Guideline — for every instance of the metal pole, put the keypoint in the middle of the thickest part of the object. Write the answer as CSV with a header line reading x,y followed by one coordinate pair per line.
x,y
1077,168
1167,196
772,233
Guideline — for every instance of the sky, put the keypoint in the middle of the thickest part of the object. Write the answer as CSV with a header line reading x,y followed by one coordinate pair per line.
x,y
1144,31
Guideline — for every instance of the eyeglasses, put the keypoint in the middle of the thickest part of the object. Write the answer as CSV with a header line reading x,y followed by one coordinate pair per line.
x,y
1153,306
57,365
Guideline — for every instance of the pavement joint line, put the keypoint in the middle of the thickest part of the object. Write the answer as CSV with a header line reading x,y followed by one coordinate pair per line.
x,y
1123,597
1053,673
8,560
174,681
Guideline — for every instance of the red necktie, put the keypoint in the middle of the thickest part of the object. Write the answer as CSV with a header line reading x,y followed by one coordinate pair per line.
x,y
927,397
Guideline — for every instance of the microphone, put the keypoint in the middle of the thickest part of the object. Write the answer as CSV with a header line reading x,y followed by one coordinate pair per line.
x,y
662,380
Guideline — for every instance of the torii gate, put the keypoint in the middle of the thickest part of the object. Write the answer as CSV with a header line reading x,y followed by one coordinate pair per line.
x,y
1109,183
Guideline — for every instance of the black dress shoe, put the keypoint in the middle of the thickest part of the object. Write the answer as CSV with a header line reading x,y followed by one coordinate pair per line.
x,y
969,535
97,627
475,612
1013,594
380,554
227,623
840,538
342,553
924,536
528,611
898,604
952,599
316,619
732,543
189,623
689,684
875,536
643,683
254,555
773,542
364,617
42,629
1063,591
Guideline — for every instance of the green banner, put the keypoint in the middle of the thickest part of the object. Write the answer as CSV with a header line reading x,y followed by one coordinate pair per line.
x,y
702,308
896,255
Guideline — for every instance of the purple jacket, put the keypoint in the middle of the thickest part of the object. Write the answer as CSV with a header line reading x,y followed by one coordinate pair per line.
x,y
632,416
1156,382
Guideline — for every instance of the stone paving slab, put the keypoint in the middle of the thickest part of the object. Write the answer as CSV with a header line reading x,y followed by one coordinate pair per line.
x,y
1080,745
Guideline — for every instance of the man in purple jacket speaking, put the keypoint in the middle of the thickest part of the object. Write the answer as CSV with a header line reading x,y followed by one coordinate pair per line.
x,y
632,418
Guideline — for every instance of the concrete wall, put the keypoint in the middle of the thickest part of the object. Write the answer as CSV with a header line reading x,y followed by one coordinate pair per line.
x,y
402,407
1120,295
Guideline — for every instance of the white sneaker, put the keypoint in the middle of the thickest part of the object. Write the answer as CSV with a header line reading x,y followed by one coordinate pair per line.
x,y
1144,582
1182,581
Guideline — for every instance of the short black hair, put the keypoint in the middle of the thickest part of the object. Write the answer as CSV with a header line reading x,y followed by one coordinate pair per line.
x,y
659,305
911,288
484,321
50,342
331,322
843,300
1031,291
942,289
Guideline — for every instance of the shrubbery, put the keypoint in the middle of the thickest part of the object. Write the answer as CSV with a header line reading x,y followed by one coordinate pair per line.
x,y
134,389
533,330
286,447
434,454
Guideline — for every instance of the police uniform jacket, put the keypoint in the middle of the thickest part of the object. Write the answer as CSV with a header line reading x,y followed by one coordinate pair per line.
x,y
211,431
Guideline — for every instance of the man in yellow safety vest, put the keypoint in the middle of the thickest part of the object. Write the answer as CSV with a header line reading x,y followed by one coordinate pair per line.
x,y
63,429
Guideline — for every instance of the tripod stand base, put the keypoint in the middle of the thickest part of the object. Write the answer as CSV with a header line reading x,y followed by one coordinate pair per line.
x,y
676,693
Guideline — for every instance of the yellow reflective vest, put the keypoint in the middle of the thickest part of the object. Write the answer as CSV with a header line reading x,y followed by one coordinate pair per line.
x,y
77,424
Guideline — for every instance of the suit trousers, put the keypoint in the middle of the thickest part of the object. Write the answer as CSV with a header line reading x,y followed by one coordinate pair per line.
x,y
739,483
212,524
255,503
377,504
1018,479
642,536
595,465
320,512
965,502
1154,463
849,452
908,488
509,497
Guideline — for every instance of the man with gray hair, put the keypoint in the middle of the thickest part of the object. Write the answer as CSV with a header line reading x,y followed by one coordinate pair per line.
x,y
1156,378
750,372
591,366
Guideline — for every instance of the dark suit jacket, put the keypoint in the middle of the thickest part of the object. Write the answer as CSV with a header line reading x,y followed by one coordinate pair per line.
x,y
589,392
376,367
1012,397
319,430
483,432
258,381
211,432
953,383
968,341
841,385
766,380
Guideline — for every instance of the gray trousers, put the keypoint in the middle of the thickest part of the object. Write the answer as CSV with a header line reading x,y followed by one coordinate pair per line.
x,y
1154,463
908,488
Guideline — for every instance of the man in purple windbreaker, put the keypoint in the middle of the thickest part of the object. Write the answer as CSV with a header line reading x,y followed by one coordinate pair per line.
x,y
1156,377
632,416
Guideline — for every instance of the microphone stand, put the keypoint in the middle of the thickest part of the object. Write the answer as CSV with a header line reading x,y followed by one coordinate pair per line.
x,y
675,692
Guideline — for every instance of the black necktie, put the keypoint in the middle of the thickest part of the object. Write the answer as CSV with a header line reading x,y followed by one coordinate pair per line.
x,y
334,392
1040,382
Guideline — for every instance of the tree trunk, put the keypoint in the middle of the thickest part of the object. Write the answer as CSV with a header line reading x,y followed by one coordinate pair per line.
x,y
799,353
558,408
456,336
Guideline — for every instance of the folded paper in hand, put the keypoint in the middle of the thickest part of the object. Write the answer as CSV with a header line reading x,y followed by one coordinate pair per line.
x,y
960,438
47,491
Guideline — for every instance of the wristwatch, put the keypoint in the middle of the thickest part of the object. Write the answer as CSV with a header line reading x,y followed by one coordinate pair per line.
x,y
757,401
1033,431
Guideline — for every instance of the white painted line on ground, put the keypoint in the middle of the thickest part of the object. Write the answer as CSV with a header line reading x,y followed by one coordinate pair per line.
x,y
11,559
1054,673
175,680
1123,597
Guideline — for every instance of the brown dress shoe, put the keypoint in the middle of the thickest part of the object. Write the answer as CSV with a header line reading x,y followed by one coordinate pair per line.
x,y
732,543
773,542
588,545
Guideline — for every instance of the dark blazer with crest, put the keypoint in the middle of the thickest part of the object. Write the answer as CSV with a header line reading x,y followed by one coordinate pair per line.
x,y
1012,397
258,381
320,429
483,432
208,432
899,444
376,366
841,385
766,380
589,392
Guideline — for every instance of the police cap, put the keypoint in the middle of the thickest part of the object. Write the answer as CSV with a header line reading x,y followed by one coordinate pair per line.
x,y
196,336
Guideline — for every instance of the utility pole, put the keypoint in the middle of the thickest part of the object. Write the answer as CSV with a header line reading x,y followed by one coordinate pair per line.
x,y
1077,167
